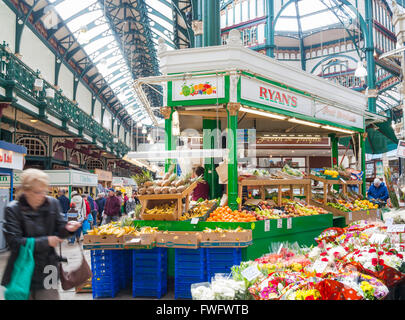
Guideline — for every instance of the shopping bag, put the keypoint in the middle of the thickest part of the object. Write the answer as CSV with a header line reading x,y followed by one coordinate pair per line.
x,y
20,284
85,226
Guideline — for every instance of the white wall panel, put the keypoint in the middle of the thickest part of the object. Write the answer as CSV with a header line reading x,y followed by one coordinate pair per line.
x,y
83,97
97,111
37,56
107,120
65,81
7,25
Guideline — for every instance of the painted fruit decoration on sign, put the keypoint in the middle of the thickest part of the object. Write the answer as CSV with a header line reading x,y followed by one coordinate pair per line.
x,y
198,89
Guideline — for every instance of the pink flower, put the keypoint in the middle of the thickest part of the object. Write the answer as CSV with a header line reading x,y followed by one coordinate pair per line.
x,y
324,259
380,253
400,256
371,250
381,262
323,254
336,254
374,261
389,253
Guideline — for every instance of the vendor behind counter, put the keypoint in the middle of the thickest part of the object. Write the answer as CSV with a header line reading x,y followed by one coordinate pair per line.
x,y
202,190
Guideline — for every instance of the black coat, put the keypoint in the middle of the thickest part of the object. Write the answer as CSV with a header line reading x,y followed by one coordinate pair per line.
x,y
21,222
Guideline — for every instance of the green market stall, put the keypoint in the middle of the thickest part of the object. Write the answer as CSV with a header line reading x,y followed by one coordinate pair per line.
x,y
218,90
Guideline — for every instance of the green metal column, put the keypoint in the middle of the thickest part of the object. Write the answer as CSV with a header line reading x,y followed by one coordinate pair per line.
x,y
371,79
231,140
335,153
212,23
363,162
270,29
197,16
209,137
168,136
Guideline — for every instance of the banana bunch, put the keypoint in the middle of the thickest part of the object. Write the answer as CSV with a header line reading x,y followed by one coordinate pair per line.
x,y
162,209
149,230
220,230
113,229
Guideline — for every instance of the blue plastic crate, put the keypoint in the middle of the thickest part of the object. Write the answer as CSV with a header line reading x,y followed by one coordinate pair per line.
x,y
149,253
189,271
104,252
190,264
190,252
149,284
223,264
104,293
141,292
155,264
105,259
223,253
182,293
150,276
189,279
105,285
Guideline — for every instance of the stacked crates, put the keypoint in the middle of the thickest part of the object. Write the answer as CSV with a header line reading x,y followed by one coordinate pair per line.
x,y
105,266
189,269
149,277
221,260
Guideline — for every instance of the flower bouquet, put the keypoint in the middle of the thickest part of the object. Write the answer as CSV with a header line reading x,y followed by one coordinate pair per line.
x,y
329,235
367,286
384,263
302,290
271,287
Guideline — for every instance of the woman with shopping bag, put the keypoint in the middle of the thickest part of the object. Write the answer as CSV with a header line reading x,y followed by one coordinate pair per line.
x,y
33,228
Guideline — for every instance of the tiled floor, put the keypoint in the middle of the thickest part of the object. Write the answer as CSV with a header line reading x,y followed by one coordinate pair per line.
x,y
73,254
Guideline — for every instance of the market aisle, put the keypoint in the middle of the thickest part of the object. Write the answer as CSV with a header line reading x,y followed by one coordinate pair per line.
x,y
74,257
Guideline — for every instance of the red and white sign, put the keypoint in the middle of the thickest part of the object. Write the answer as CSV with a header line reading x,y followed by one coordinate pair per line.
x,y
11,160
266,94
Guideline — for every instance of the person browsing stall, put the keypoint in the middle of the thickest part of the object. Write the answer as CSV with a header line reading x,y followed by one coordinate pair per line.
x,y
378,191
112,208
202,190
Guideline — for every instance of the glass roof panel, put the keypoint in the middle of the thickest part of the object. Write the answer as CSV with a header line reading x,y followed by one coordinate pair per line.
x,y
105,52
313,14
68,8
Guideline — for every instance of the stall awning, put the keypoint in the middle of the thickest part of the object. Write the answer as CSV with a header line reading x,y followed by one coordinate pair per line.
x,y
381,138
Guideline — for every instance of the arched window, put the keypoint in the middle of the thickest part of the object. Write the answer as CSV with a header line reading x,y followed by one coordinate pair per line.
x,y
94,164
35,147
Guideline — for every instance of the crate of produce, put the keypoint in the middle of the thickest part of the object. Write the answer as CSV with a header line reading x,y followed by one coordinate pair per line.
x,y
200,210
160,210
178,239
102,239
226,239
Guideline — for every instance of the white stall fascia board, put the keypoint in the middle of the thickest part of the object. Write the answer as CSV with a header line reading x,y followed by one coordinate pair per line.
x,y
54,120
27,105
219,58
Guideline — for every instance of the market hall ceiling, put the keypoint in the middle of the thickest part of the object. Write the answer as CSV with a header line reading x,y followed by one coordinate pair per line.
x,y
111,43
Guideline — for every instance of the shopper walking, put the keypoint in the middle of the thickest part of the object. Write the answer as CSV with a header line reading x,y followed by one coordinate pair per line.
x,y
125,203
100,204
131,204
92,208
80,206
112,208
64,202
119,196
36,215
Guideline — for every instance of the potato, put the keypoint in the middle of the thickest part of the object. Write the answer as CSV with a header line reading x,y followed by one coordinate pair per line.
x,y
148,184
166,183
180,189
142,190
165,190
173,190
158,190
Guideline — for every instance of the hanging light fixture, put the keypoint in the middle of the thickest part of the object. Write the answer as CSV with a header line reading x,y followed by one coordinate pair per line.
x,y
360,72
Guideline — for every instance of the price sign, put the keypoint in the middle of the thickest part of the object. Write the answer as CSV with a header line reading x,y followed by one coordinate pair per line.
x,y
396,228
377,238
401,149
251,273
195,220
266,225
279,223
319,266
289,223
350,216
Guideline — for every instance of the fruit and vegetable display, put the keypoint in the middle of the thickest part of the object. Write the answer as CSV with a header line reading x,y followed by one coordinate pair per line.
x,y
119,229
292,172
289,209
199,210
222,230
347,265
167,208
226,214
170,184
346,203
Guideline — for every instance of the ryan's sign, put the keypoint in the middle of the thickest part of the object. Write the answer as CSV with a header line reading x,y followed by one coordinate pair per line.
x,y
266,94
